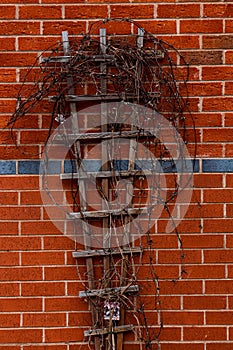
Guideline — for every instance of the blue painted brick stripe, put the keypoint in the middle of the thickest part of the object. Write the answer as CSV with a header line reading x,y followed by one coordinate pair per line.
x,y
8,167
217,165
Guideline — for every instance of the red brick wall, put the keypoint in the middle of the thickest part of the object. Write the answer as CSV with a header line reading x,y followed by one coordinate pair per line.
x,y
39,307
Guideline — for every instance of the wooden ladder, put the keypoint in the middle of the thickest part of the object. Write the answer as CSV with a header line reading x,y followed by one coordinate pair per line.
x,y
111,336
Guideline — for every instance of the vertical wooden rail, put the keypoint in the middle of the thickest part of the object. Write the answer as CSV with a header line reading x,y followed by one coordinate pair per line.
x,y
82,189
129,200
105,166
105,155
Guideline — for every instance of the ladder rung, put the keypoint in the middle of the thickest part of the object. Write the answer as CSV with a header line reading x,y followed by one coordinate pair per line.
x,y
103,174
108,291
104,135
95,58
118,329
105,213
109,97
103,252
101,58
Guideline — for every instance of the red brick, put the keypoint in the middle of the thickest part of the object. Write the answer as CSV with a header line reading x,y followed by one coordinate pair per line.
x,y
21,305
60,273
43,258
204,271
45,347
174,256
36,43
178,10
9,289
58,243
20,243
21,336
7,76
17,182
185,226
20,213
7,12
203,89
8,198
219,318
217,73
229,210
21,274
17,59
11,152
86,11
204,303
217,104
40,12
9,259
180,287
183,318
19,28
231,333
228,88
201,26
202,241
30,198
183,346
229,26
73,27
78,318
43,289
204,211
182,42
64,335
65,304
39,228
218,195
33,137
207,333
219,346
159,26
218,10
218,256
217,225
11,320
7,45
132,11
203,57
217,42
230,271
218,287
44,320
229,57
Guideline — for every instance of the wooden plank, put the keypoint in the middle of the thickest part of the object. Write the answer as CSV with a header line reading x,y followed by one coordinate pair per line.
x,y
109,291
101,252
118,329
63,59
102,97
89,174
105,135
106,213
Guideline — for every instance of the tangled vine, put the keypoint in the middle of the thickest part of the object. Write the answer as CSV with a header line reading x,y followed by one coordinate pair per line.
x,y
137,69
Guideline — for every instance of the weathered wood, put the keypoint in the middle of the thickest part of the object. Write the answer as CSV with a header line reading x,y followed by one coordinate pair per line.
x,y
105,135
102,252
89,174
109,291
106,213
118,329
